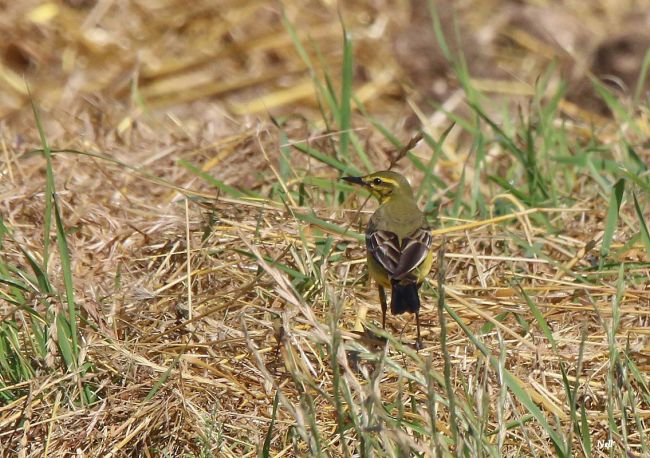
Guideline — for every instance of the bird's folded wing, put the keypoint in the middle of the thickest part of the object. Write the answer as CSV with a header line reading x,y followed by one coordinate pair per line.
x,y
385,248
399,260
415,249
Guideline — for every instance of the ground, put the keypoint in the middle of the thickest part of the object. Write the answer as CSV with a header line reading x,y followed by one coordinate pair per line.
x,y
182,273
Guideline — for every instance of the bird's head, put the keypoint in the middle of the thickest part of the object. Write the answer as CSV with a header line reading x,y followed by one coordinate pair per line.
x,y
383,185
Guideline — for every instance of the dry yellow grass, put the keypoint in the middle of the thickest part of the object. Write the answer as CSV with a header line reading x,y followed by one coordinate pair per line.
x,y
182,288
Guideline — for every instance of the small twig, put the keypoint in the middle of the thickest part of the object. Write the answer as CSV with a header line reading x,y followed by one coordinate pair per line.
x,y
405,149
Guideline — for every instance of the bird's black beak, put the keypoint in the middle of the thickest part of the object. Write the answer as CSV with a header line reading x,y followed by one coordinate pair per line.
x,y
353,180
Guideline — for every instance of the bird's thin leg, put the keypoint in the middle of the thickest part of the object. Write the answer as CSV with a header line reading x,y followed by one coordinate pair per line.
x,y
384,306
418,342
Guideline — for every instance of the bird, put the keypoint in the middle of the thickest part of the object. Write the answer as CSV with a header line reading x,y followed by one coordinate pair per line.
x,y
398,243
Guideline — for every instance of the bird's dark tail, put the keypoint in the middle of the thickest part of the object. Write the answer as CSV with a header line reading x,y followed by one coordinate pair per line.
x,y
404,298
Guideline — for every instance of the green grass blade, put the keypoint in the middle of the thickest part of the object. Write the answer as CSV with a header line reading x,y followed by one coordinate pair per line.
x,y
41,277
325,159
346,96
51,204
586,434
636,179
358,148
64,341
437,29
539,317
643,75
443,344
215,182
510,188
617,108
425,186
330,227
324,92
645,235
13,283
64,255
162,380
640,165
293,273
49,184
612,217
266,448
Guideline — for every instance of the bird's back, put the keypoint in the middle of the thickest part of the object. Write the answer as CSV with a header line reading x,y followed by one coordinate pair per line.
x,y
402,220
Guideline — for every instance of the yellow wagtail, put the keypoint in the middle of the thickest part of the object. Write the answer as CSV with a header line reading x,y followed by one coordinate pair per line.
x,y
398,242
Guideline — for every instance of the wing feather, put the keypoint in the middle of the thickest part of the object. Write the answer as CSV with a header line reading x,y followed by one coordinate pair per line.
x,y
385,248
399,259
415,249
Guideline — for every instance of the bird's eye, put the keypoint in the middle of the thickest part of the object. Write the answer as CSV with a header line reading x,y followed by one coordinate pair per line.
x,y
377,181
